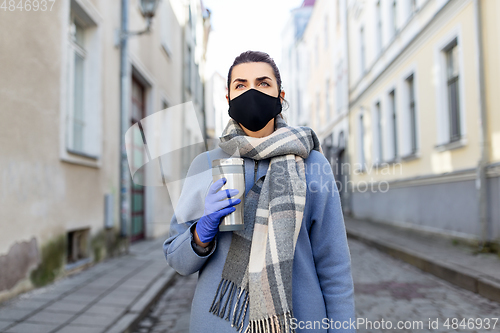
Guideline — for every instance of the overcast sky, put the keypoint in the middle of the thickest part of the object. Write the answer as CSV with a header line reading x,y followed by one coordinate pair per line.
x,y
241,25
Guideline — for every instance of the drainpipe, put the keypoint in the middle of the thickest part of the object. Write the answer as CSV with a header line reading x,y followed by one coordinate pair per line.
x,y
481,186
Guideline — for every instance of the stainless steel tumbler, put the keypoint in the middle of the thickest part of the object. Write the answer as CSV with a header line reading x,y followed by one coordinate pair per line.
x,y
233,169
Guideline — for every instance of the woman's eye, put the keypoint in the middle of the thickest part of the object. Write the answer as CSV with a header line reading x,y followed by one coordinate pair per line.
x,y
238,85
266,83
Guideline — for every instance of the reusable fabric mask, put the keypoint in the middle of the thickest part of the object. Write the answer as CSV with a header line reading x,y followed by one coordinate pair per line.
x,y
254,109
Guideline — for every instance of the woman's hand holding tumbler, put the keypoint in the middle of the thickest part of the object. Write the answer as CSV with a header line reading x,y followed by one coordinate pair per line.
x,y
216,207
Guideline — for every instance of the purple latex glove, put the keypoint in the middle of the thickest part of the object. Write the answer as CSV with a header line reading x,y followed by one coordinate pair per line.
x,y
215,208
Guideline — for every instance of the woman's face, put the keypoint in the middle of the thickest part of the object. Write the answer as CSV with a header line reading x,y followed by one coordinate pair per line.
x,y
254,75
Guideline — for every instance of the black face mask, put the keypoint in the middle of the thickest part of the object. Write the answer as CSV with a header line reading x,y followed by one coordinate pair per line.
x,y
254,109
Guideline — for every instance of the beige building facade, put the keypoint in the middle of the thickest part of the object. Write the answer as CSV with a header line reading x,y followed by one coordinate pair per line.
x,y
60,90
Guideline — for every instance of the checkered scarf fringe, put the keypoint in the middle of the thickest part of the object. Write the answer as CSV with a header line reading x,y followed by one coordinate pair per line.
x,y
257,274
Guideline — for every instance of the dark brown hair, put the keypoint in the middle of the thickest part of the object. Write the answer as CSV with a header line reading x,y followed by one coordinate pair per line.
x,y
256,56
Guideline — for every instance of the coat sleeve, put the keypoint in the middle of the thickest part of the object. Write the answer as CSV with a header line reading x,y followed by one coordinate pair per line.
x,y
177,248
330,249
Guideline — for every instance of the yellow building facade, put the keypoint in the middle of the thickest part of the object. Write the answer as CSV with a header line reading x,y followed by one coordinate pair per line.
x,y
423,105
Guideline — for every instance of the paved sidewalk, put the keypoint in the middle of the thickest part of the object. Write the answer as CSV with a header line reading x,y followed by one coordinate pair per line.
x,y
111,296
457,264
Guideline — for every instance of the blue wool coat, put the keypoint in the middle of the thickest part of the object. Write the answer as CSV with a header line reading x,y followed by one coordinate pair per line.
x,y
323,293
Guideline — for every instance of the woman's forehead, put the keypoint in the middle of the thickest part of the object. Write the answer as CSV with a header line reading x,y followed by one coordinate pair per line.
x,y
252,70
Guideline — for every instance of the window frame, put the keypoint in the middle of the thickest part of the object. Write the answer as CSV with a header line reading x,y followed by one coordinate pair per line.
x,y
326,32
327,96
339,87
378,130
379,27
91,153
444,143
74,50
317,121
166,16
413,6
453,82
412,113
361,140
407,153
394,18
392,129
338,13
362,51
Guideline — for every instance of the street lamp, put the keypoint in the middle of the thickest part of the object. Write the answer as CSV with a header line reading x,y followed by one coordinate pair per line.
x,y
148,9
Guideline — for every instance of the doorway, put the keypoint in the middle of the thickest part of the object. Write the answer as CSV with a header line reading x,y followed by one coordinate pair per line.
x,y
137,193
341,173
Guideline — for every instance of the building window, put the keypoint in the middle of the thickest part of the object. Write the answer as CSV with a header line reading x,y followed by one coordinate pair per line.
x,y
82,107
196,83
394,122
338,14
77,245
337,95
410,84
188,151
326,32
394,17
77,86
450,92
338,87
379,28
327,99
316,50
452,82
299,102
189,74
318,103
361,141
413,6
378,132
166,31
309,122
362,50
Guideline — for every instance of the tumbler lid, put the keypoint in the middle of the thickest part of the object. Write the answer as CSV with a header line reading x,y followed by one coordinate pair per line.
x,y
228,161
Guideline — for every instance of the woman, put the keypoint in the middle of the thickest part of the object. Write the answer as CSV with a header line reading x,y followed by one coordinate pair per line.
x,y
289,269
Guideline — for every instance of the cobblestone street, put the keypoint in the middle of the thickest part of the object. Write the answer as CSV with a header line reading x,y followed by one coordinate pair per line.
x,y
171,312
386,289
393,290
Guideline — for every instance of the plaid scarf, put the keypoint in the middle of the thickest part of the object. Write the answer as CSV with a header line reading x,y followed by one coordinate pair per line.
x,y
257,274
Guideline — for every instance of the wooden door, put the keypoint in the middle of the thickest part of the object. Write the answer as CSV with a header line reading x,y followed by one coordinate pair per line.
x,y
137,191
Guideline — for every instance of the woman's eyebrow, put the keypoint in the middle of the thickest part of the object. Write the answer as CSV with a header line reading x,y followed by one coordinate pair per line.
x,y
257,79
